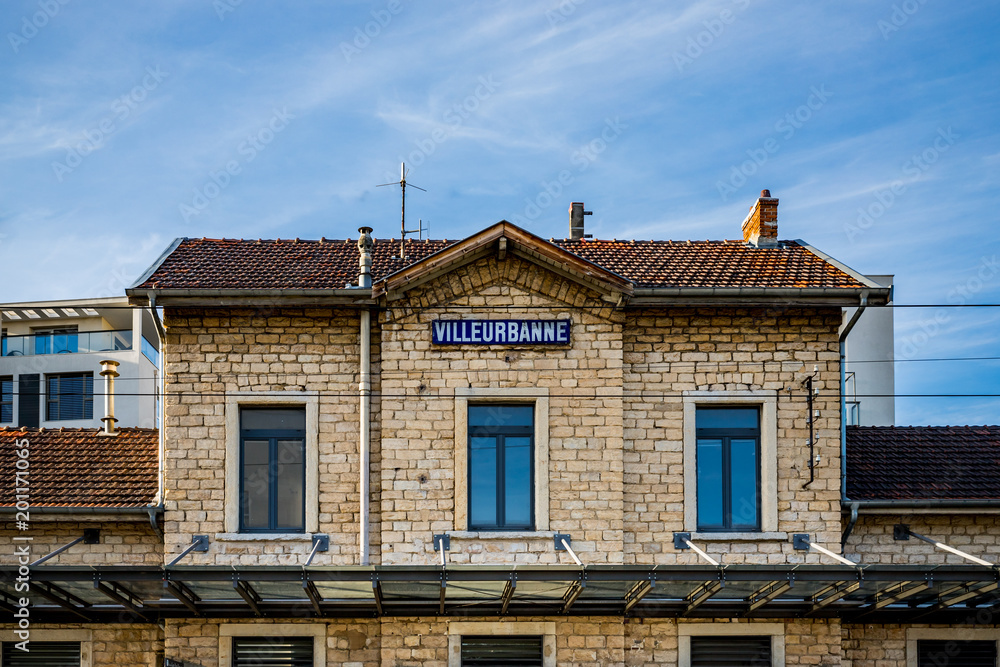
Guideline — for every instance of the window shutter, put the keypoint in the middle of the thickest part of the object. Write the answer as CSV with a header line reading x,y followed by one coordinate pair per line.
x,y
501,651
730,651
29,400
937,652
42,654
272,652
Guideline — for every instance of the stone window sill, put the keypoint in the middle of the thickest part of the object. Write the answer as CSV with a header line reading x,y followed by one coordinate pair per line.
x,y
501,535
739,537
263,537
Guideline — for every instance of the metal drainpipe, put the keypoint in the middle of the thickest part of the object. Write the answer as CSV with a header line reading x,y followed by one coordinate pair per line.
x,y
162,335
862,305
365,246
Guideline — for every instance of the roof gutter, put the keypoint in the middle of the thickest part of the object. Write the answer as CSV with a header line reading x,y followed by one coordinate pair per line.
x,y
960,503
251,297
55,509
788,296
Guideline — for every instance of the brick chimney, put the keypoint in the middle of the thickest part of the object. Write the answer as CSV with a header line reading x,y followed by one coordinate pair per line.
x,y
761,225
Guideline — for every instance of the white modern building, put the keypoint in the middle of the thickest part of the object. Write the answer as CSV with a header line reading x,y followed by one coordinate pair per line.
x,y
869,369
50,368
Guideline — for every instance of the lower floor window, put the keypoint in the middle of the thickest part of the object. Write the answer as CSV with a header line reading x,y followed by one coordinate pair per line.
x,y
731,651
501,651
42,654
272,651
69,396
938,652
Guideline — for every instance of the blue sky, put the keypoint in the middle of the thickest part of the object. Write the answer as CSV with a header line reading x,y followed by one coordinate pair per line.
x,y
125,125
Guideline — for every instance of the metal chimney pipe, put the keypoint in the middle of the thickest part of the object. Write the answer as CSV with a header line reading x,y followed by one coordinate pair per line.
x,y
365,247
109,374
576,214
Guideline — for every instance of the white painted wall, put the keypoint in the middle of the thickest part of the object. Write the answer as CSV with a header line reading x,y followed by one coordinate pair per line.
x,y
872,339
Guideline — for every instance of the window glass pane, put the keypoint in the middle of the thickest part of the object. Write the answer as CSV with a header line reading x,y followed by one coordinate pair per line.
x,y
729,418
709,463
290,483
483,418
256,483
273,419
743,493
70,396
517,481
483,482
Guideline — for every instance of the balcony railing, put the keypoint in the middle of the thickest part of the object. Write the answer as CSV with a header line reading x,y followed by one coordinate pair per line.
x,y
67,343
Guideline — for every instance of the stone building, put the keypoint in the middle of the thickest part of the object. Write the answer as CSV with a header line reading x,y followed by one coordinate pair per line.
x,y
506,450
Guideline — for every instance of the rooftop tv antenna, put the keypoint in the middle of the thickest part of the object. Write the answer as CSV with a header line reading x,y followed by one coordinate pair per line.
x,y
403,231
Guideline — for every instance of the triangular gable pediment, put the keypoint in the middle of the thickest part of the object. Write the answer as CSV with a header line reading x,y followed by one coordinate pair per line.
x,y
501,240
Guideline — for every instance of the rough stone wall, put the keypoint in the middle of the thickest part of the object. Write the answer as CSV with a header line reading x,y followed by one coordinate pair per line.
x,y
418,410
668,352
874,646
871,540
121,543
210,353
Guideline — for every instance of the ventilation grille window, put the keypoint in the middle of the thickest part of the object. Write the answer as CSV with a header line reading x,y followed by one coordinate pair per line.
x,y
42,654
730,652
272,652
948,653
501,651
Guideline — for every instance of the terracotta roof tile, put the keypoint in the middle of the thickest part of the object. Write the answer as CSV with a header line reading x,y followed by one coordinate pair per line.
x,y
77,467
296,264
923,462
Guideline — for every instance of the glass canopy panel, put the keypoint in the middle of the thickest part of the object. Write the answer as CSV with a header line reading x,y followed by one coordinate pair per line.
x,y
214,590
280,590
417,591
476,589
541,591
345,590
607,590
85,591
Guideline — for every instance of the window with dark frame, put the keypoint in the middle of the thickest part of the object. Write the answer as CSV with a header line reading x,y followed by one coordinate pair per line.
x,y
973,653
728,468
272,651
69,396
6,398
502,651
42,654
501,467
730,651
272,470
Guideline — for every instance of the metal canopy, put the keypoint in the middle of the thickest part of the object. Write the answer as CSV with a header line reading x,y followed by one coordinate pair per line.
x,y
869,594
